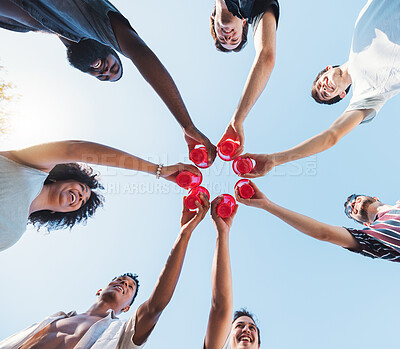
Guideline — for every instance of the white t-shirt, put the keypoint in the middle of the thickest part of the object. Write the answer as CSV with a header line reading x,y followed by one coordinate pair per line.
x,y
374,61
107,333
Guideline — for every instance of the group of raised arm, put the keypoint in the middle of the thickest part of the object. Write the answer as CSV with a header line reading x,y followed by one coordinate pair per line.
x,y
54,191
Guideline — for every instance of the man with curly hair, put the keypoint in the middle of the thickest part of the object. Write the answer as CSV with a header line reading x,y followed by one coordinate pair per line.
x,y
99,326
372,69
229,24
92,30
42,184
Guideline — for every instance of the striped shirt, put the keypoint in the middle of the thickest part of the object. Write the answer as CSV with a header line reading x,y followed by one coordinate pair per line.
x,y
382,238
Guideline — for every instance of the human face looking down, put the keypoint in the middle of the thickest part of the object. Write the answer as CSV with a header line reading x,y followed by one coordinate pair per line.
x,y
331,84
106,69
67,196
229,30
244,334
358,208
96,59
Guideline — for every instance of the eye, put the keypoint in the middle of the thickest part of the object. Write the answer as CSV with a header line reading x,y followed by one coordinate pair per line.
x,y
97,64
130,287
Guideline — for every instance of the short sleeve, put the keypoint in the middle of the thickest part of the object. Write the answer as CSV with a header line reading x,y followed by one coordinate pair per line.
x,y
371,247
374,103
260,7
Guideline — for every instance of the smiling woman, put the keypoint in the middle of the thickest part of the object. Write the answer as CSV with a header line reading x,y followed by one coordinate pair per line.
x,y
43,184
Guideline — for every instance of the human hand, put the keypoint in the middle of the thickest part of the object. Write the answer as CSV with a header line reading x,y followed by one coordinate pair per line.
x,y
264,164
223,225
193,137
257,200
170,172
190,219
235,132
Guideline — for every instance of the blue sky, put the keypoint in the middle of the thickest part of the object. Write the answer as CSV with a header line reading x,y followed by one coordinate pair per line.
x,y
305,293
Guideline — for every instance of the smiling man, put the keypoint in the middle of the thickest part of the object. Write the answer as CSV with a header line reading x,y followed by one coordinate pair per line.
x,y
229,24
43,185
373,70
99,326
379,239
92,30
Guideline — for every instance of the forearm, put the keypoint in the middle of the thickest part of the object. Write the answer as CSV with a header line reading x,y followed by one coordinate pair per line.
x,y
221,275
169,276
46,156
311,146
306,225
255,84
161,81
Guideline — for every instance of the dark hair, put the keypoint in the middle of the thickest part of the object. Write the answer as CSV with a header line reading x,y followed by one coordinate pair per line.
x,y
134,277
218,45
244,312
83,53
60,220
314,90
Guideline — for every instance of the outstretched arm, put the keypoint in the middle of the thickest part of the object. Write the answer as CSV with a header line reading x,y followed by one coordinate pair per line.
x,y
45,156
264,61
311,227
134,48
149,312
220,318
348,121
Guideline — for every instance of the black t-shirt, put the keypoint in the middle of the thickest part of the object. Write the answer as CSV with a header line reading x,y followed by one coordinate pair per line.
x,y
253,10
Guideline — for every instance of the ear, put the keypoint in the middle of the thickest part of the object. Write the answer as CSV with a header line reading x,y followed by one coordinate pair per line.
x,y
213,17
244,21
98,292
342,94
329,67
125,309
374,197
367,224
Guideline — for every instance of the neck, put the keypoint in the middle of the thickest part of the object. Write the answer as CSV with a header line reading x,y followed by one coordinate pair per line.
x,y
376,208
41,201
221,11
346,74
100,308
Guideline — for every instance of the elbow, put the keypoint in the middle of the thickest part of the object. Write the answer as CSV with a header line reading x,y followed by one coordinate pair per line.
x,y
267,58
331,136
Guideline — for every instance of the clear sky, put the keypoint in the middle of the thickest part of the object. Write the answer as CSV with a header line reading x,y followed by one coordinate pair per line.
x,y
305,293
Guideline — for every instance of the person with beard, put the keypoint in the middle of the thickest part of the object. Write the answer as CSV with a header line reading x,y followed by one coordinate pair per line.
x,y
99,326
379,239
92,30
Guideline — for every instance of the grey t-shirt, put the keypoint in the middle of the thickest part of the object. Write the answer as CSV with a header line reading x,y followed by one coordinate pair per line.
x,y
19,186
74,20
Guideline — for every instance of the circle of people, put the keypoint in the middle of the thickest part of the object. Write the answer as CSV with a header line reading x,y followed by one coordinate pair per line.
x,y
54,191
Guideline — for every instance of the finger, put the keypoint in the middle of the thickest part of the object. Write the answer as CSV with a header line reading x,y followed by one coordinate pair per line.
x,y
234,211
185,209
214,205
191,168
238,151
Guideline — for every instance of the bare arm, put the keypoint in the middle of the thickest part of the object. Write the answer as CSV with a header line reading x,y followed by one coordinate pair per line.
x,y
134,48
149,312
45,156
263,64
264,61
220,318
311,227
348,121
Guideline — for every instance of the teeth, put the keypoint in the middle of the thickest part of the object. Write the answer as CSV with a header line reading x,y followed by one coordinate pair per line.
x,y
73,198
